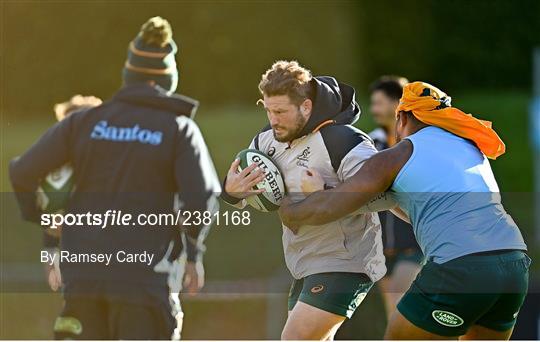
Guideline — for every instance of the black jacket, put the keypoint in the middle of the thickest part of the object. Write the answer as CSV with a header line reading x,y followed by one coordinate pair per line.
x,y
134,153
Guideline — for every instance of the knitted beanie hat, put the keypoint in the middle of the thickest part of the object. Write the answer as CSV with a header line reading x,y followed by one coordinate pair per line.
x,y
151,56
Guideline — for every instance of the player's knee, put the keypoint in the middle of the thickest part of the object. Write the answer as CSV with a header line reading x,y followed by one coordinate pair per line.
x,y
393,332
389,333
290,334
477,332
310,323
296,332
396,326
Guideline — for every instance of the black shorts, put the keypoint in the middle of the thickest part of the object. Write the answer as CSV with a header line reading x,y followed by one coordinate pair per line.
x,y
101,317
336,292
487,290
394,257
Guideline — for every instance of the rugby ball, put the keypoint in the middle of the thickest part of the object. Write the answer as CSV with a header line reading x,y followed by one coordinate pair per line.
x,y
273,183
55,190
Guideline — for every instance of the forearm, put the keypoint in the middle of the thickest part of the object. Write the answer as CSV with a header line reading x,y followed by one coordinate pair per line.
x,y
196,234
381,202
25,191
374,177
194,246
325,206
48,153
49,241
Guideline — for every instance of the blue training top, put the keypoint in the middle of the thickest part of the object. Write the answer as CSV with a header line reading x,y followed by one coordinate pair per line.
x,y
452,199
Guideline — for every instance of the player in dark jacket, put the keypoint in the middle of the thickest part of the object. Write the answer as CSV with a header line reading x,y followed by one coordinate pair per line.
x,y
404,257
135,154
51,237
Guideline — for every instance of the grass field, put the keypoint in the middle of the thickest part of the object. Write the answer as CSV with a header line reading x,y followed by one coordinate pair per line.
x,y
250,252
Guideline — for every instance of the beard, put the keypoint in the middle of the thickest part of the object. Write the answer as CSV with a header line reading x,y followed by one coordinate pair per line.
x,y
289,134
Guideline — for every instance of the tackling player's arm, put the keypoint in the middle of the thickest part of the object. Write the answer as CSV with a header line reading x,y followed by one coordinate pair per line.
x,y
351,164
47,154
312,181
375,176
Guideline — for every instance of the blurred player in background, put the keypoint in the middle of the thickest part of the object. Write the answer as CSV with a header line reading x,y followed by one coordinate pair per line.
x,y
476,277
140,153
403,255
51,237
310,130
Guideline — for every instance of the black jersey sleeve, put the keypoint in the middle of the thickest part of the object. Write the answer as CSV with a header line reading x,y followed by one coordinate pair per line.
x,y
47,154
196,181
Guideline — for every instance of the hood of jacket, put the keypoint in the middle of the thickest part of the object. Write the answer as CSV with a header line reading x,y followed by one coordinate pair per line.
x,y
334,102
153,96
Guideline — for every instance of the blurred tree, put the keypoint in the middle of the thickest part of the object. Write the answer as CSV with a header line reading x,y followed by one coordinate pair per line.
x,y
54,49
457,44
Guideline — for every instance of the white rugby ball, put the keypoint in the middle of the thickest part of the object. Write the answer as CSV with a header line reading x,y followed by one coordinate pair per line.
x,y
273,183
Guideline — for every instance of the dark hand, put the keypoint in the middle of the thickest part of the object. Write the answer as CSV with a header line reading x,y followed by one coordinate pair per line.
x,y
312,181
286,217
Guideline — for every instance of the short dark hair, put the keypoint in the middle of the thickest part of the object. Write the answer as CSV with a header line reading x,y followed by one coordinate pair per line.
x,y
412,117
391,86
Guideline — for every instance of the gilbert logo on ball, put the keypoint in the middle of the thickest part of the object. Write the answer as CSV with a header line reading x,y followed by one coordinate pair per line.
x,y
273,184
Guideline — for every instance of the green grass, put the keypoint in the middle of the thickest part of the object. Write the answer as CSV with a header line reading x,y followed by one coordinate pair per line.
x,y
28,316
